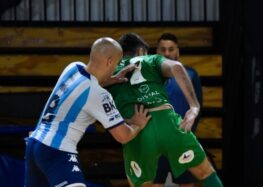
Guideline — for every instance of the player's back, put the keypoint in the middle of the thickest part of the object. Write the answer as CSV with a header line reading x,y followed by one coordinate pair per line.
x,y
64,119
145,85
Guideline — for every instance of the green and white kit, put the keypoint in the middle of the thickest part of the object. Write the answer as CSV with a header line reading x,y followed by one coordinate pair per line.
x,y
162,135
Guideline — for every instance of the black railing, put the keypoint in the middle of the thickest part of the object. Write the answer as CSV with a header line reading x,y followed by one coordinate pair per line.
x,y
114,10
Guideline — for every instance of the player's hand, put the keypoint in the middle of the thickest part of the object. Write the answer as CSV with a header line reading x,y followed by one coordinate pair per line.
x,y
122,74
189,119
120,77
140,117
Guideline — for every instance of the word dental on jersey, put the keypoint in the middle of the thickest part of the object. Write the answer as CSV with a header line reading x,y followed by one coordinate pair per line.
x,y
144,88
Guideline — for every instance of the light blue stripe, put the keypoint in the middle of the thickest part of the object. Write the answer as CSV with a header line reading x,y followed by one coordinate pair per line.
x,y
65,77
63,97
70,117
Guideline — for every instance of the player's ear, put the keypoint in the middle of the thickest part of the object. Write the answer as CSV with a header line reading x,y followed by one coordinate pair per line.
x,y
109,61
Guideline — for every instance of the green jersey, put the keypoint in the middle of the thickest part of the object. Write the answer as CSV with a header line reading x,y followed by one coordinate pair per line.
x,y
145,85
162,135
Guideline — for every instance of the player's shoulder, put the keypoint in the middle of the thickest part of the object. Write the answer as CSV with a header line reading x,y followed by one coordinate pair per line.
x,y
74,65
77,63
98,94
154,57
153,60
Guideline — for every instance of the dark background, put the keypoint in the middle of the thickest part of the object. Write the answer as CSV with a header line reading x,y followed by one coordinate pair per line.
x,y
242,37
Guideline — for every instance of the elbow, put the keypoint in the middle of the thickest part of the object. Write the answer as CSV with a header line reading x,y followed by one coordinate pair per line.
x,y
122,140
122,134
177,67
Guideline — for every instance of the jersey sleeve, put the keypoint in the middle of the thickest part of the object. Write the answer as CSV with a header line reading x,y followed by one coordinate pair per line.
x,y
102,107
157,61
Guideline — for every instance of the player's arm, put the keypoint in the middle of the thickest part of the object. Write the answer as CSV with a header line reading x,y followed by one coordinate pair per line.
x,y
102,108
127,131
171,68
119,77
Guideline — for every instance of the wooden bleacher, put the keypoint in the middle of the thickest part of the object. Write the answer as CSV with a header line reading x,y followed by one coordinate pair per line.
x,y
31,58
57,37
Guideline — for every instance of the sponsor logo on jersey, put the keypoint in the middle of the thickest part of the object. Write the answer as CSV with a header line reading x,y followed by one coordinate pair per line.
x,y
116,116
111,119
144,88
108,107
136,169
63,87
105,98
73,158
186,157
148,96
108,104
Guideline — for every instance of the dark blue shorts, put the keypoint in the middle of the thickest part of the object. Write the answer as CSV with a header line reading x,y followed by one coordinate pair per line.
x,y
164,168
46,166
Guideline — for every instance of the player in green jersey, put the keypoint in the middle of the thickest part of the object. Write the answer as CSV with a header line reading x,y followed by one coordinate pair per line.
x,y
166,133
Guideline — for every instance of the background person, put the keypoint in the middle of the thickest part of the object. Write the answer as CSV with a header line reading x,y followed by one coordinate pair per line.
x,y
167,45
166,133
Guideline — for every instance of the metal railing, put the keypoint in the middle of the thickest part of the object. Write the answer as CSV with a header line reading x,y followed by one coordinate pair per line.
x,y
114,11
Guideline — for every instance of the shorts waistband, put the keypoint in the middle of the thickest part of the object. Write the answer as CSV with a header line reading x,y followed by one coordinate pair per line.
x,y
162,107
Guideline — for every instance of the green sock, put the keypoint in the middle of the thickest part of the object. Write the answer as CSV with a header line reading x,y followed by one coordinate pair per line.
x,y
212,181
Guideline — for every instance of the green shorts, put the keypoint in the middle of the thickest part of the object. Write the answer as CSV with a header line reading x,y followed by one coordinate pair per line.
x,y
161,136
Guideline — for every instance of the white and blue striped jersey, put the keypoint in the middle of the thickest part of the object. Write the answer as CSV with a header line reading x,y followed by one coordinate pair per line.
x,y
76,102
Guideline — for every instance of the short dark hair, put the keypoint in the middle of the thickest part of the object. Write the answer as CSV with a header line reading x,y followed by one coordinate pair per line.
x,y
168,36
130,42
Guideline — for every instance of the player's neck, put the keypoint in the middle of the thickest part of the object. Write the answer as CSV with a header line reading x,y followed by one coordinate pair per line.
x,y
91,69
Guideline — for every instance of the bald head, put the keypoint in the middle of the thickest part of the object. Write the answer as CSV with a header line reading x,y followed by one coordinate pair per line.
x,y
105,47
104,56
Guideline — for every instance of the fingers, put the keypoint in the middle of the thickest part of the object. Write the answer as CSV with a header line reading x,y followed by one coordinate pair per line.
x,y
127,69
186,125
145,112
182,125
113,80
140,117
121,80
188,120
148,117
141,109
136,109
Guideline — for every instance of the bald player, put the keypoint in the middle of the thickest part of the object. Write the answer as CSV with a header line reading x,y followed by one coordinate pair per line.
x,y
77,101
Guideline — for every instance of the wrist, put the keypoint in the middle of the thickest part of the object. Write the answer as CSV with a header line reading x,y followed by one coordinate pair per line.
x,y
195,110
132,125
136,127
